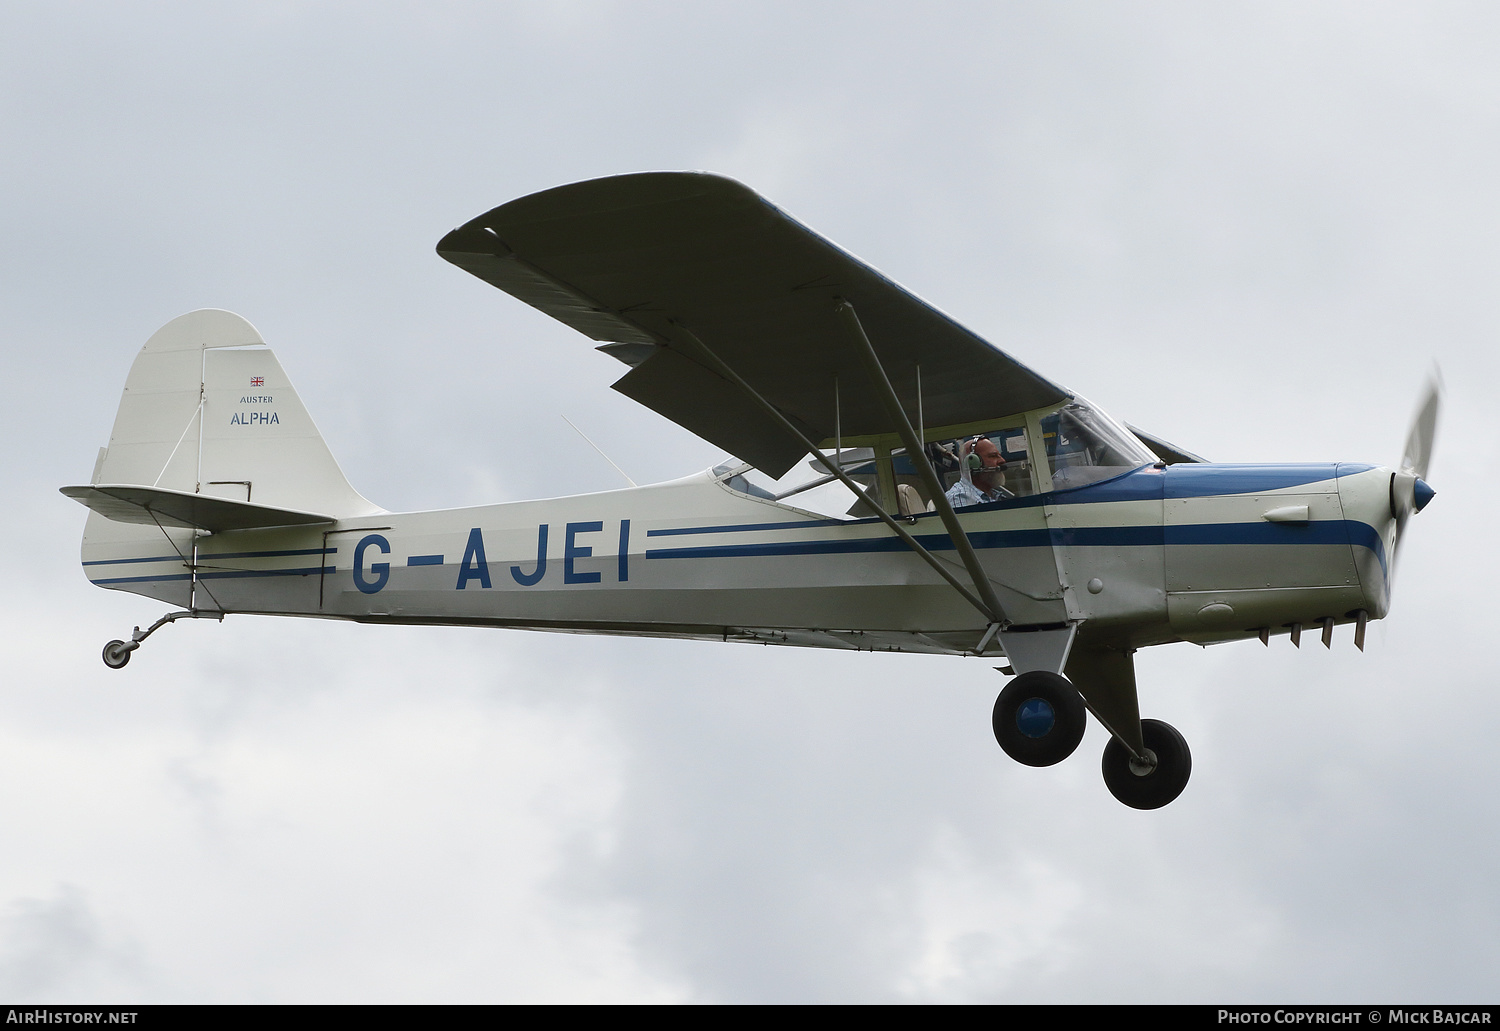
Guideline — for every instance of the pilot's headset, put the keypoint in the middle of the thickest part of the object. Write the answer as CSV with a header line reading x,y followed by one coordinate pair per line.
x,y
973,463
970,463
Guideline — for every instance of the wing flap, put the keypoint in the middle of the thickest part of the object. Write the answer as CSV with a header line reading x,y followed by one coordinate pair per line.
x,y
712,407
133,503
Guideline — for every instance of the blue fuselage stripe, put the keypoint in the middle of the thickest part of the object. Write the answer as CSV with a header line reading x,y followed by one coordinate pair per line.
x,y
164,578
205,557
241,574
674,531
1327,532
127,561
226,574
1203,481
1363,535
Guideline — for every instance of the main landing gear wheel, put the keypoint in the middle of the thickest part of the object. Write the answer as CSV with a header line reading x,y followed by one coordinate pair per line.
x,y
1039,718
116,654
1143,785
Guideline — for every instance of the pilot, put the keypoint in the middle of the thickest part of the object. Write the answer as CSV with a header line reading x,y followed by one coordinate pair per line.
x,y
981,476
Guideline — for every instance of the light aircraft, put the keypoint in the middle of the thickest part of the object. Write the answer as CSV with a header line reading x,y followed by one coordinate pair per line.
x,y
994,513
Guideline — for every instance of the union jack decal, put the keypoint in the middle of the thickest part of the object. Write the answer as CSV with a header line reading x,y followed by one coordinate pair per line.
x,y
257,381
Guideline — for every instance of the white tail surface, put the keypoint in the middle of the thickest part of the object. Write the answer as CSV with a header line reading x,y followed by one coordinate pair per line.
x,y
208,410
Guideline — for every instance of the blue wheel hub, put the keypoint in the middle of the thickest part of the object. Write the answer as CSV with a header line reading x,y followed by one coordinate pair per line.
x,y
1035,717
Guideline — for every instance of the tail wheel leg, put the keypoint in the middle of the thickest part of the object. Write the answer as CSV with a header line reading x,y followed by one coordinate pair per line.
x,y
1152,783
1039,718
117,653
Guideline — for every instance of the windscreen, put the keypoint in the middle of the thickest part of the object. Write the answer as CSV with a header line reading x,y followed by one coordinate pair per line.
x,y
1085,445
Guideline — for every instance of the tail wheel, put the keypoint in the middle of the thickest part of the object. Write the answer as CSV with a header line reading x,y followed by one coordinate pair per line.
x,y
1147,785
1039,718
116,654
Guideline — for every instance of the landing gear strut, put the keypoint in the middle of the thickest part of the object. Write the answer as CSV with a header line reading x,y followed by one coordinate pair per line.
x,y
1152,783
1039,718
117,653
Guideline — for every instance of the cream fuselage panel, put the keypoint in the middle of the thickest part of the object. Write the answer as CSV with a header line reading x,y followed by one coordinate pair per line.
x,y
1152,556
689,557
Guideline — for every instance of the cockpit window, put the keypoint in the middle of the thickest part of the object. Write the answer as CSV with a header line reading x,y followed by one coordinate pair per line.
x,y
732,475
976,469
990,466
1084,445
806,488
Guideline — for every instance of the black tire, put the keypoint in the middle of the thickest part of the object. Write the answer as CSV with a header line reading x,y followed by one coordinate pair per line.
x,y
116,655
1174,764
1039,718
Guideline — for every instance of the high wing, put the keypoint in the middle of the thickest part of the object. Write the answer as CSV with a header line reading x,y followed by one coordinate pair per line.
x,y
683,273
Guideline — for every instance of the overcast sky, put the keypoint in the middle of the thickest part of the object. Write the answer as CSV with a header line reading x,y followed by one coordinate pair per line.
x,y
1248,228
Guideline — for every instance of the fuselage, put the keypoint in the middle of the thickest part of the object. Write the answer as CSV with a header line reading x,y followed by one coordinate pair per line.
x,y
1196,552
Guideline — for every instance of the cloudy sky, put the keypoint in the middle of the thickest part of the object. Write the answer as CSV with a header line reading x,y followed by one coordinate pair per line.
x,y
1249,228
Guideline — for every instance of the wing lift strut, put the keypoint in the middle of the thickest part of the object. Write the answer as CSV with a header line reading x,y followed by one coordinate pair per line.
x,y
988,604
1047,649
982,596
1051,647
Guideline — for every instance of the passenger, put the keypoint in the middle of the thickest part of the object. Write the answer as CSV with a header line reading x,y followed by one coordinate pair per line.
x,y
981,476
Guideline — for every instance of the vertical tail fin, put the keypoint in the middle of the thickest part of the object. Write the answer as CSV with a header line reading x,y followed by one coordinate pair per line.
x,y
208,409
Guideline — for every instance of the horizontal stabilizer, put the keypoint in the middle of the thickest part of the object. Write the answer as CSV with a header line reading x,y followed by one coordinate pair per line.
x,y
154,506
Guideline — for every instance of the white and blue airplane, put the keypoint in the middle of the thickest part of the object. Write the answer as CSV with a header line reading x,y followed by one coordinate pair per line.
x,y
994,513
